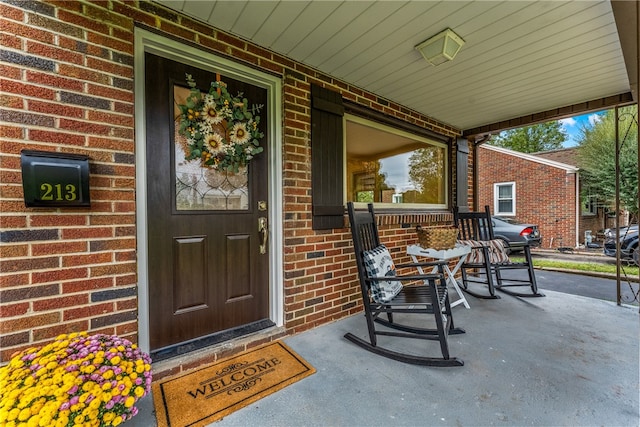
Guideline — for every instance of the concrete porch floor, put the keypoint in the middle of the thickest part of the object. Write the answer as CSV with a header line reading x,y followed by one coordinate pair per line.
x,y
562,360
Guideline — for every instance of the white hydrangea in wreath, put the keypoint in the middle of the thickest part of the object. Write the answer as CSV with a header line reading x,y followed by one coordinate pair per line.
x,y
220,129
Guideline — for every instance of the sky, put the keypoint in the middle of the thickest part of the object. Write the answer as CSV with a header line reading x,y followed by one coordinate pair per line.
x,y
572,126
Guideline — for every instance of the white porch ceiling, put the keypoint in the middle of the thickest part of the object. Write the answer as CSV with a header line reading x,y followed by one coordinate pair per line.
x,y
519,57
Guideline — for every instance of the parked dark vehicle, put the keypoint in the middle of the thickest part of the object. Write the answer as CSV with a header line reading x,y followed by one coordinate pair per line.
x,y
628,243
515,232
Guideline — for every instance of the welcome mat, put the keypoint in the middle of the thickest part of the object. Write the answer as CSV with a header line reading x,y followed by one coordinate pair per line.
x,y
206,395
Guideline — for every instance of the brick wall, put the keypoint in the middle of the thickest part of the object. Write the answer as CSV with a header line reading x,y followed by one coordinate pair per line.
x,y
545,195
67,85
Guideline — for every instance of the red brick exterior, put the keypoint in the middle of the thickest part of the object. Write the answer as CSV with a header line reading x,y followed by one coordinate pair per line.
x,y
67,85
545,195
595,222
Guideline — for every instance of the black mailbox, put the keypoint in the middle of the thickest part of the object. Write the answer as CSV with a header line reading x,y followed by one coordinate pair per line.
x,y
55,179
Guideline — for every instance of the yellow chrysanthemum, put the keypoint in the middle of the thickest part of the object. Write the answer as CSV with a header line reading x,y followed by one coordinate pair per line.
x,y
139,391
45,421
13,414
24,414
34,421
129,401
88,385
95,404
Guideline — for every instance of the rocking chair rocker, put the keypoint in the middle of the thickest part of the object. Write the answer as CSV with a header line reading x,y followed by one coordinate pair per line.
x,y
489,256
383,293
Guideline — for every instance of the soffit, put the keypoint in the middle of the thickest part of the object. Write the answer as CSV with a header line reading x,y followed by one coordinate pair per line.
x,y
520,57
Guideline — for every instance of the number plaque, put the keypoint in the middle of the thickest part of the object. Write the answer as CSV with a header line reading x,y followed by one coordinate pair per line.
x,y
55,179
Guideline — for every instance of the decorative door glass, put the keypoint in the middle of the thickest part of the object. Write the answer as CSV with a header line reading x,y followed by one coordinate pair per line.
x,y
199,187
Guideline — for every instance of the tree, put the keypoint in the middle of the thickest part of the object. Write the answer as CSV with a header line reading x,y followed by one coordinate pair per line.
x,y
426,169
531,139
596,158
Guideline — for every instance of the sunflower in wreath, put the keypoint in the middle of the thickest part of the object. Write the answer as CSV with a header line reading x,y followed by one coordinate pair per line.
x,y
220,129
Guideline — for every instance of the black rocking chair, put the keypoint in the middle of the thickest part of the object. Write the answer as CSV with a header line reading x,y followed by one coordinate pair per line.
x,y
383,292
489,256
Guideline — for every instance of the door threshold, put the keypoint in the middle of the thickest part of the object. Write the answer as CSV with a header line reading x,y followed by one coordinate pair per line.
x,y
193,354
209,340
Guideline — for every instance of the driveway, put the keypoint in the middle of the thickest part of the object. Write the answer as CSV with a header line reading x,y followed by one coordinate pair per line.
x,y
582,284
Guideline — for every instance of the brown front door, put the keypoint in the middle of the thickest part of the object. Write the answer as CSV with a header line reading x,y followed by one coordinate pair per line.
x,y
207,273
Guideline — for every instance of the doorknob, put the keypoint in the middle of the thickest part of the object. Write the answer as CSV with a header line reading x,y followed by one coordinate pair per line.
x,y
263,230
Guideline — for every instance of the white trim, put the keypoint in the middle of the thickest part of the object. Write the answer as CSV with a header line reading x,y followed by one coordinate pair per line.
x,y
533,158
146,41
495,198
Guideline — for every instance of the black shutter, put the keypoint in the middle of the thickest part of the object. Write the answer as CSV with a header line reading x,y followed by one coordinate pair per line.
x,y
462,174
327,160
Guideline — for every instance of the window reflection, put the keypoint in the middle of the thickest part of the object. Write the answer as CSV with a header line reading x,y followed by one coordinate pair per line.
x,y
388,166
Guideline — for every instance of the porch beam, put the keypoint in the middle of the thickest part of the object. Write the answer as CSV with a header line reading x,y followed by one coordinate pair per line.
x,y
553,114
627,17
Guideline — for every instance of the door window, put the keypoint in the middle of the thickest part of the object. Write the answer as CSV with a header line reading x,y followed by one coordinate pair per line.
x,y
202,188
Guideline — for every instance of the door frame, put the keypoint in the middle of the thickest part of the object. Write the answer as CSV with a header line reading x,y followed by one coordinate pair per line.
x,y
146,41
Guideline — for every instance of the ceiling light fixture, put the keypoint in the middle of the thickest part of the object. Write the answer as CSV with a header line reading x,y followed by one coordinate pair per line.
x,y
441,48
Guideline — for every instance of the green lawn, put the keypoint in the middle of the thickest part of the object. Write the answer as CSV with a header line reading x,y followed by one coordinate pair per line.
x,y
582,266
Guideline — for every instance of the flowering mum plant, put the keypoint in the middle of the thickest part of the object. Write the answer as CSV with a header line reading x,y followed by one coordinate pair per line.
x,y
78,380
220,129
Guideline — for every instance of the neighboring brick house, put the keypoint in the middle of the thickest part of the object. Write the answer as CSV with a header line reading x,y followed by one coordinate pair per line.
x,y
68,87
532,189
545,185
594,216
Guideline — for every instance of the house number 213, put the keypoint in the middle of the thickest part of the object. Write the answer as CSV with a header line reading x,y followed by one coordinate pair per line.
x,y
58,192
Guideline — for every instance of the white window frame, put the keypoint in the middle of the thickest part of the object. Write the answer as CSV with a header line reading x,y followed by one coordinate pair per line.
x,y
496,199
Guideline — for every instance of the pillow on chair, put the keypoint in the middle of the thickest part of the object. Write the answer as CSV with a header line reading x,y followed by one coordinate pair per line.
x,y
378,263
497,251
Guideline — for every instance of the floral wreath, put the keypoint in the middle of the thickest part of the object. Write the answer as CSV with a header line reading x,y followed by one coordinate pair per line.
x,y
219,128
